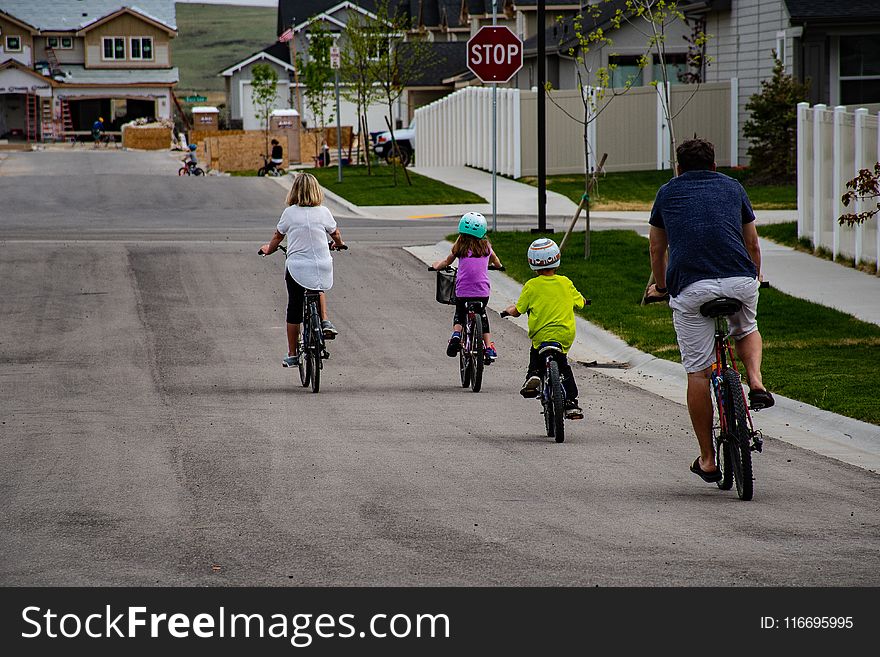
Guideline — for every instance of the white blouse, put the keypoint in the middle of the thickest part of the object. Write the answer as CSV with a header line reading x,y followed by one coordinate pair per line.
x,y
308,254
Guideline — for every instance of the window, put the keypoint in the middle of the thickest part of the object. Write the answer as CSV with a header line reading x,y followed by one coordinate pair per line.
x,y
66,43
859,70
13,44
625,71
142,48
114,48
52,42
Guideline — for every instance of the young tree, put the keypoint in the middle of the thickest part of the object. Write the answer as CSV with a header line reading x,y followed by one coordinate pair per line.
x,y
866,188
363,37
772,127
264,94
398,61
317,77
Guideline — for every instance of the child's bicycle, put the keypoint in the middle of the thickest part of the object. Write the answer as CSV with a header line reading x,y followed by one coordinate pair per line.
x,y
552,389
472,353
190,168
312,348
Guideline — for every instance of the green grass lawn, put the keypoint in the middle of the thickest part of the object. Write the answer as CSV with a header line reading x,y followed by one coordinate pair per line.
x,y
786,234
214,37
635,190
811,353
379,188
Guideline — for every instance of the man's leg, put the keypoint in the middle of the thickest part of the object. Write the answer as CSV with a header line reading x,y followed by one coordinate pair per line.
x,y
699,401
750,349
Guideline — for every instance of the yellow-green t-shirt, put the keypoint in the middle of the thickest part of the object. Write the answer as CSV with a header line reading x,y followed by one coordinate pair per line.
x,y
550,302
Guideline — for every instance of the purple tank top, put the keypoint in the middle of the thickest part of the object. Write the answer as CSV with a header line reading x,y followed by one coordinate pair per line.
x,y
472,279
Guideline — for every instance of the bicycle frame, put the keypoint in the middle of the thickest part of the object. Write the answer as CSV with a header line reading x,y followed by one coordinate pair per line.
x,y
310,341
723,358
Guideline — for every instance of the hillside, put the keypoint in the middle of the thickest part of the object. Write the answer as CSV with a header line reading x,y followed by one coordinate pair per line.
x,y
213,37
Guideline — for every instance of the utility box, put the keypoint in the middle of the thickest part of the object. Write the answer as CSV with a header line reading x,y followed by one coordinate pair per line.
x,y
206,118
287,122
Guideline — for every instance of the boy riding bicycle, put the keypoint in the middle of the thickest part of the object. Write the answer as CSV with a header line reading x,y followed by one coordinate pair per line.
x,y
549,300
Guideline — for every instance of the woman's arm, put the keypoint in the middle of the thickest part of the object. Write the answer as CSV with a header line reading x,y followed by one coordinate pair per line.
x,y
272,246
443,264
336,236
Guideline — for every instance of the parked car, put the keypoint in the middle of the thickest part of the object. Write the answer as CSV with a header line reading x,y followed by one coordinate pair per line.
x,y
406,142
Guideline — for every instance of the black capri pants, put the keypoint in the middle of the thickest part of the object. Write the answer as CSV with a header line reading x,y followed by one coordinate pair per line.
x,y
461,311
295,295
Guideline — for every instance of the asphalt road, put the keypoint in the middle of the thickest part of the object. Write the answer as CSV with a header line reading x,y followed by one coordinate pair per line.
x,y
150,435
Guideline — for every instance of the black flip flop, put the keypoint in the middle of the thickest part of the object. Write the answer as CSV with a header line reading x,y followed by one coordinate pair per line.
x,y
709,477
759,399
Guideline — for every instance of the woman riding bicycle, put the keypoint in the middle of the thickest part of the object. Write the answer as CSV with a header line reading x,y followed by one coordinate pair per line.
x,y
549,300
474,253
307,225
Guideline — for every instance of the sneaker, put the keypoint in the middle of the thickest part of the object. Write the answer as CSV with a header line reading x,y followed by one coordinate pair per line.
x,y
330,331
531,387
454,345
491,353
290,361
573,411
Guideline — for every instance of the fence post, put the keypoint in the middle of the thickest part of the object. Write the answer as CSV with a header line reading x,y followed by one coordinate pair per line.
x,y
837,173
877,232
818,114
858,164
734,122
517,140
661,162
802,109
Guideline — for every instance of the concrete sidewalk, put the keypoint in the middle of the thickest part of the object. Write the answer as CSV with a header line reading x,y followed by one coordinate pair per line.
x,y
829,434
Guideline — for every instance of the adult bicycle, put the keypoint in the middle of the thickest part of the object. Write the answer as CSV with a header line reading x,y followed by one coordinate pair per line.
x,y
312,348
734,435
269,169
472,352
552,387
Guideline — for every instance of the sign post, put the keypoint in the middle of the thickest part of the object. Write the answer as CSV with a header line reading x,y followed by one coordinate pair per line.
x,y
494,55
334,64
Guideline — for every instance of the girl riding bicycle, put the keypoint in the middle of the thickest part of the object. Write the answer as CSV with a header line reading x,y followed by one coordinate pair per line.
x,y
474,253
307,225
549,300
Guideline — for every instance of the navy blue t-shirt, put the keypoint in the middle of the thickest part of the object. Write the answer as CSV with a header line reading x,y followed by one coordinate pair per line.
x,y
703,213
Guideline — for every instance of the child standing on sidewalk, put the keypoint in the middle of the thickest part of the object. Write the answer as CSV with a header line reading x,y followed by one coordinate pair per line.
x,y
549,300
474,253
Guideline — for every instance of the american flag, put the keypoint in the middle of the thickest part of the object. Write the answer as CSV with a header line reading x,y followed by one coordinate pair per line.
x,y
286,35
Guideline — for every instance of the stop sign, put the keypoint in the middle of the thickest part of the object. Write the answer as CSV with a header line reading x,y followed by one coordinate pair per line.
x,y
494,54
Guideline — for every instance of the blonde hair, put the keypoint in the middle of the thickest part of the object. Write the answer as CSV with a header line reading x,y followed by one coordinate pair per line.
x,y
305,191
470,246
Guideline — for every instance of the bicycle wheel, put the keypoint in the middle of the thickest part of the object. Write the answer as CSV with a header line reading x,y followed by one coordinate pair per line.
x,y
317,348
305,366
739,438
478,353
557,401
464,363
261,172
315,365
183,171
198,172
724,461
547,405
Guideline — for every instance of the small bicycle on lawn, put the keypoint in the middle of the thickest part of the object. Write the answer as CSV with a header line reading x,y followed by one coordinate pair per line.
x,y
734,434
312,348
552,388
472,353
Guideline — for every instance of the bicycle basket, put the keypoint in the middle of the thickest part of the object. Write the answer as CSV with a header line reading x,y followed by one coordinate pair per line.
x,y
446,286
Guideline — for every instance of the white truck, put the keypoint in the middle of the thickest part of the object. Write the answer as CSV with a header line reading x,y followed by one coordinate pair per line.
x,y
406,143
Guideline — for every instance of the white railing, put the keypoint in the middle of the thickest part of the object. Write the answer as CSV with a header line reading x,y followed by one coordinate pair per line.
x,y
456,130
833,145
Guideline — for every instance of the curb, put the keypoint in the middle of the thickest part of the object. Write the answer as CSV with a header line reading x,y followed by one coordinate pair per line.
x,y
285,181
835,436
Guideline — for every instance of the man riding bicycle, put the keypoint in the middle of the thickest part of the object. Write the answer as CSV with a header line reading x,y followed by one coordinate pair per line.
x,y
706,221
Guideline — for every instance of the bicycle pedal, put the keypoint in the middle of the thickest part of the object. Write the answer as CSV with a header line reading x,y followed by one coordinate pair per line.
x,y
325,355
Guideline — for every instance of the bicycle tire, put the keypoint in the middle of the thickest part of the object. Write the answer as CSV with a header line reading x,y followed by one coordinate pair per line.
x,y
305,368
547,405
739,437
317,347
183,171
557,400
478,353
464,365
198,171
315,360
261,172
724,462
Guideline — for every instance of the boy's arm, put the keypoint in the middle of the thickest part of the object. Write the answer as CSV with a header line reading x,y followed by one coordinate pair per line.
x,y
512,311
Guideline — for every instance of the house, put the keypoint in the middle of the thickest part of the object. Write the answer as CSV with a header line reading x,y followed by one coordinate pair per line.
x,y
242,113
64,64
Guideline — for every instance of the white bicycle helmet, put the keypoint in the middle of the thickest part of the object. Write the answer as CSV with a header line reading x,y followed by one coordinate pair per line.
x,y
544,254
473,223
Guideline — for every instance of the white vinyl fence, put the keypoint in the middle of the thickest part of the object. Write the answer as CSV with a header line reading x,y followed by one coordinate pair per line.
x,y
833,145
456,130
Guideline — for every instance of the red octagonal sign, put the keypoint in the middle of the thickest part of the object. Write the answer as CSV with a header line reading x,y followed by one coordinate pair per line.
x,y
494,54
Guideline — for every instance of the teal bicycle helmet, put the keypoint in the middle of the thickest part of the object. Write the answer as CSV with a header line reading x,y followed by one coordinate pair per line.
x,y
473,223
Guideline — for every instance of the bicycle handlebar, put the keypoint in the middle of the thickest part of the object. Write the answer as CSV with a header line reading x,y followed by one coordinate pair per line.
x,y
333,247
491,268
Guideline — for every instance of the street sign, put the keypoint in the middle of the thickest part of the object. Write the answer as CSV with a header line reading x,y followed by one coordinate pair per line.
x,y
334,56
194,99
494,54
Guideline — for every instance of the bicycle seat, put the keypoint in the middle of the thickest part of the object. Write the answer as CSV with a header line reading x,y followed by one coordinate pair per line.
x,y
476,306
549,346
720,307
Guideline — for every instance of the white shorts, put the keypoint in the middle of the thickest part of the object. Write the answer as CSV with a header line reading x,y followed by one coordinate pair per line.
x,y
695,333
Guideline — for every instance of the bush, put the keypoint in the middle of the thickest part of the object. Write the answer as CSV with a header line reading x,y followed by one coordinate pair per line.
x,y
772,128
